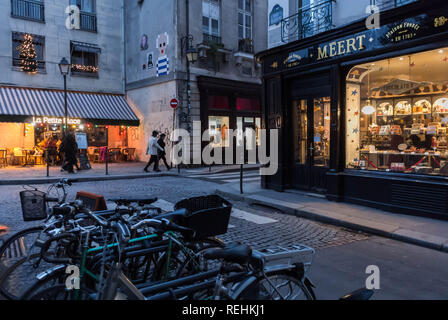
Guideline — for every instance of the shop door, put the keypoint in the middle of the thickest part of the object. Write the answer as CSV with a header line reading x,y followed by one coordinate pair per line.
x,y
311,134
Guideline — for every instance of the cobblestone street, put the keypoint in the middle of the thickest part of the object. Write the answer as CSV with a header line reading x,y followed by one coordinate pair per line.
x,y
341,256
286,230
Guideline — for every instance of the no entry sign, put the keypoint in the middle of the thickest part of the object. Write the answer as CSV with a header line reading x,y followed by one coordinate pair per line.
x,y
174,103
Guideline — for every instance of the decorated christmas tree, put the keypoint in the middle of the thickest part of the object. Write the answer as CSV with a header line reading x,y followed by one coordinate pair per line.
x,y
27,54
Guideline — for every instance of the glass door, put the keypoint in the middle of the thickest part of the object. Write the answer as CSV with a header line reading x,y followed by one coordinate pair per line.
x,y
311,137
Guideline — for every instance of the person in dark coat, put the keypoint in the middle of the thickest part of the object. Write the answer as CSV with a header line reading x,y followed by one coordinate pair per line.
x,y
162,154
69,147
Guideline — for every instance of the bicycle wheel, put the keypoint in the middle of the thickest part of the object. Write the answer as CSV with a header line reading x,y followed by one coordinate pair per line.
x,y
55,279
279,285
18,262
60,292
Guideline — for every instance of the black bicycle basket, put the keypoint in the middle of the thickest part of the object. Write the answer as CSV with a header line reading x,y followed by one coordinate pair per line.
x,y
33,205
207,215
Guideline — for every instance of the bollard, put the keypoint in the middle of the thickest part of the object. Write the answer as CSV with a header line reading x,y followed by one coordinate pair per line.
x,y
48,163
107,160
241,179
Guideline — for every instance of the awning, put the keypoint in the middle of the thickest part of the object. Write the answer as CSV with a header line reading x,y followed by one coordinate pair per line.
x,y
22,103
86,47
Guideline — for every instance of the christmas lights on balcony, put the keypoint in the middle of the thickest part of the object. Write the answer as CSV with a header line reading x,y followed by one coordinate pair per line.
x,y
83,68
27,55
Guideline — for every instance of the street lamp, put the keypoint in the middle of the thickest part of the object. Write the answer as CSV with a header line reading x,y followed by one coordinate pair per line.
x,y
64,67
192,55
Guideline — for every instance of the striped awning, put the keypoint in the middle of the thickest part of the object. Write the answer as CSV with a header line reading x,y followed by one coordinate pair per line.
x,y
27,102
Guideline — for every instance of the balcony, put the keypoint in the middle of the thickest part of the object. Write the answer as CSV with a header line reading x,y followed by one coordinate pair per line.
x,y
209,38
390,4
87,21
28,9
308,21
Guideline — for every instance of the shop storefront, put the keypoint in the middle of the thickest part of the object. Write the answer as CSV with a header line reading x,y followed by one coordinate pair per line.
x,y
363,114
32,118
227,104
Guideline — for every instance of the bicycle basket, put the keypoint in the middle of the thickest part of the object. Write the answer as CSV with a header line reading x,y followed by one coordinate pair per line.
x,y
33,205
207,215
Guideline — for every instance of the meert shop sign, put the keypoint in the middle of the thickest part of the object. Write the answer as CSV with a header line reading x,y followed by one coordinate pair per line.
x,y
49,120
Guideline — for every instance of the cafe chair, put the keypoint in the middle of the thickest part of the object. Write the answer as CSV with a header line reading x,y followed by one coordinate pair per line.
x,y
129,154
19,157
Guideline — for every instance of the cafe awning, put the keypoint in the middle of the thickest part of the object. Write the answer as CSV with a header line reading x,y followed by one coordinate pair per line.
x,y
22,103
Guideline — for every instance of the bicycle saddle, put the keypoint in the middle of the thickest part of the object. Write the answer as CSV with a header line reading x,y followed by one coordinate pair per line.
x,y
237,253
140,202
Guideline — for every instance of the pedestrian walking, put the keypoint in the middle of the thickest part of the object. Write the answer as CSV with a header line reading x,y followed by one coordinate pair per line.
x,y
153,148
69,147
162,154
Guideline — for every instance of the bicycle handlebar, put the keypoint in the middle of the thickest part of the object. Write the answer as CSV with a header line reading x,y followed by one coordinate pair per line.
x,y
46,246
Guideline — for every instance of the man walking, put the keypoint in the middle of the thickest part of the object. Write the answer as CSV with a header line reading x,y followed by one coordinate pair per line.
x,y
162,154
152,149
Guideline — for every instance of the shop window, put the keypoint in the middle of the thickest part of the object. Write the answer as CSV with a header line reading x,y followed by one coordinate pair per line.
x,y
218,131
397,114
218,102
243,104
96,136
242,123
28,52
84,59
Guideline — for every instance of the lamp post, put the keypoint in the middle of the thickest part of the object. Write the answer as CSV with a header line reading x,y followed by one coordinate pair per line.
x,y
192,56
64,67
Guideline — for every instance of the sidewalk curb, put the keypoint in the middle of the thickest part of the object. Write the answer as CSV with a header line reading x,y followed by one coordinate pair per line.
x,y
302,212
229,170
83,179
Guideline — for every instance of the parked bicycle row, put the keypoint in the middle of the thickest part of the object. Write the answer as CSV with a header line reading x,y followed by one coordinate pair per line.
x,y
136,251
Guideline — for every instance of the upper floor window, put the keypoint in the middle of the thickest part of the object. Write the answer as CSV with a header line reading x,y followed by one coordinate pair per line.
x,y
211,13
28,52
84,5
87,15
84,59
245,19
28,9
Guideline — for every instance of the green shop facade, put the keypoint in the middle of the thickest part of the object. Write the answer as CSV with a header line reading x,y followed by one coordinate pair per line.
x,y
362,113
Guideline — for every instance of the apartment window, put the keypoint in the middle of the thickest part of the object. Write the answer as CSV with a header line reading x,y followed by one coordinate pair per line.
x,y
87,15
245,19
29,55
211,14
84,5
84,59
28,9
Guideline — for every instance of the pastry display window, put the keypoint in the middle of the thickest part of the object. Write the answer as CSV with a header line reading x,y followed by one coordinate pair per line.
x,y
397,114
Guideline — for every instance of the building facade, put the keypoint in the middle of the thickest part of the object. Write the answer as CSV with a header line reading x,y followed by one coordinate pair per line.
x,y
35,36
361,111
225,80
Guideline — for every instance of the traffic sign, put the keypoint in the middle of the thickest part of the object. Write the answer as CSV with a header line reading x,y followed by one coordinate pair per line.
x,y
174,103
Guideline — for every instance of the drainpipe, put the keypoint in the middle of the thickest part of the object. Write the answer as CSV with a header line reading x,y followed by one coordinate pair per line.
x,y
123,47
188,65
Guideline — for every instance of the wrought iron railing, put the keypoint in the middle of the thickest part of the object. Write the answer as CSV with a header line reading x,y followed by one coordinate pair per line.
x,y
211,38
87,21
308,21
390,4
246,45
28,9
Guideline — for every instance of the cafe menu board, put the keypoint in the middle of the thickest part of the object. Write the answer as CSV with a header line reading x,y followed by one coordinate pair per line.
x,y
81,140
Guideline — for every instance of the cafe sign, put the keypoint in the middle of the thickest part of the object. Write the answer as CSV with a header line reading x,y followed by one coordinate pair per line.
x,y
369,40
54,120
